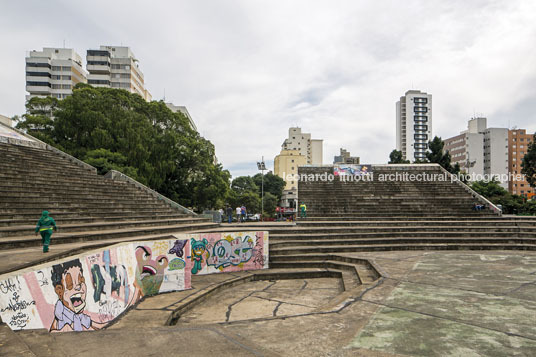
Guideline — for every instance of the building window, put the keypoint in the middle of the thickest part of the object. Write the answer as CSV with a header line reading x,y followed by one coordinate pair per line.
x,y
38,74
30,64
38,84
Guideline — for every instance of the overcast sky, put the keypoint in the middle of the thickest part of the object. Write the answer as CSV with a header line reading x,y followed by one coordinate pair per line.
x,y
248,70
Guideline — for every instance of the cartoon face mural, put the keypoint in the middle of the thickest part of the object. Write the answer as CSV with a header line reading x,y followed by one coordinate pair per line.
x,y
198,250
149,272
89,292
70,287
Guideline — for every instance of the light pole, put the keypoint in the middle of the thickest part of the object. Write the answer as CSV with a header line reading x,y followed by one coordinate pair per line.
x,y
261,166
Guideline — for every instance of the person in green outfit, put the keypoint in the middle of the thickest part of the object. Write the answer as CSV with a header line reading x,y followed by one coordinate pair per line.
x,y
303,210
45,226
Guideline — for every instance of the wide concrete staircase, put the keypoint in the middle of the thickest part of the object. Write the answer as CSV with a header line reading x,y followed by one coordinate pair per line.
x,y
389,193
87,207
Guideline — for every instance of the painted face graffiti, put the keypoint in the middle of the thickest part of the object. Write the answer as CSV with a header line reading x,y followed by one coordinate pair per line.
x,y
149,272
198,250
70,287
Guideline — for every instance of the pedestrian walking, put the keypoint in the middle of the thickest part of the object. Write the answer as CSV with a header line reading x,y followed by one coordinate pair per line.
x,y
238,212
45,225
229,212
243,213
303,210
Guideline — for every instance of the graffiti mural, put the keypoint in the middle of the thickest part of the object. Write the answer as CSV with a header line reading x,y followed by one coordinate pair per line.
x,y
227,252
230,251
91,290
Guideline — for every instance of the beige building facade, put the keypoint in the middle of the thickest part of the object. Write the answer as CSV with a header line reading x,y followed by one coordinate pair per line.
x,y
116,67
286,166
53,72
312,149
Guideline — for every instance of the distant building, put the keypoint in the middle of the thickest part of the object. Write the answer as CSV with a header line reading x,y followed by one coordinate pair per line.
x,y
302,142
116,67
345,158
518,142
53,72
286,165
480,150
6,120
183,110
467,149
413,124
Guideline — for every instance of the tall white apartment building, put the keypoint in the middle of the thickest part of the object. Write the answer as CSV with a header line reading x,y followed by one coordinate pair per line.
x,y
53,72
496,153
413,124
116,67
480,150
302,142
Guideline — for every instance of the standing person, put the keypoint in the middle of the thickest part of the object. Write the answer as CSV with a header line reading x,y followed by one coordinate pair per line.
x,y
303,210
45,226
238,212
229,212
243,213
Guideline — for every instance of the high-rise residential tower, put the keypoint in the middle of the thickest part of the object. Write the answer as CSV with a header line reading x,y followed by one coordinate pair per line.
x,y
116,67
53,72
413,124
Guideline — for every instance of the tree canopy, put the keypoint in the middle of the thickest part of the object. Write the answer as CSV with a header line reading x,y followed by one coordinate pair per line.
x,y
115,129
395,157
529,163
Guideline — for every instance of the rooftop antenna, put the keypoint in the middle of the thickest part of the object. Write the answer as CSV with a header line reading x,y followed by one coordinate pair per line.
x,y
164,94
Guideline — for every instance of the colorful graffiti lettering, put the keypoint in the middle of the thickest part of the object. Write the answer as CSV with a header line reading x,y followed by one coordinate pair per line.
x,y
230,251
199,248
176,264
178,247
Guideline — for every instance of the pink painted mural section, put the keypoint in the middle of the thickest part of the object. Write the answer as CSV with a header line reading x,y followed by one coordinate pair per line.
x,y
89,291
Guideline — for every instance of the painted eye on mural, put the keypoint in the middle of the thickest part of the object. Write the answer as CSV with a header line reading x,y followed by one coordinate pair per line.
x,y
146,256
162,260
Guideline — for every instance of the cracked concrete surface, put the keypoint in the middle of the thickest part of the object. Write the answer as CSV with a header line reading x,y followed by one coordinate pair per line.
x,y
264,299
428,304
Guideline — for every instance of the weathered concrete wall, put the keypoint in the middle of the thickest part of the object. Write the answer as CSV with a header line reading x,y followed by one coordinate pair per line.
x,y
89,291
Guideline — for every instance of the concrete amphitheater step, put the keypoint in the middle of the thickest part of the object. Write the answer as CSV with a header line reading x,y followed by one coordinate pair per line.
x,y
13,231
62,238
30,220
405,246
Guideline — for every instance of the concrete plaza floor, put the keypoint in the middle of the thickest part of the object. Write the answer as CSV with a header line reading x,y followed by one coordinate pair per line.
x,y
436,303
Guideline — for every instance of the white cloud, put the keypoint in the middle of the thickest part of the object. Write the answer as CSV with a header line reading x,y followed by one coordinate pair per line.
x,y
247,70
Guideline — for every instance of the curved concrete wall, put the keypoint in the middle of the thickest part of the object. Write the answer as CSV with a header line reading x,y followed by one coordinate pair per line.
x,y
88,291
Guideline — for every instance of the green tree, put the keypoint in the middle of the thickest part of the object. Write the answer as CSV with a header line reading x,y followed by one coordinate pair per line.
x,y
395,157
105,160
243,184
269,203
38,120
115,129
435,154
529,163
272,184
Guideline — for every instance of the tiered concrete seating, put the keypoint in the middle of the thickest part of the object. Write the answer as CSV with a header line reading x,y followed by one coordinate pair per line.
x,y
86,206
386,198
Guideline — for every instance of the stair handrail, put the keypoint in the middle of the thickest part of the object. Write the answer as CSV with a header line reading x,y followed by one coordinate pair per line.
x,y
116,175
475,194
43,145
